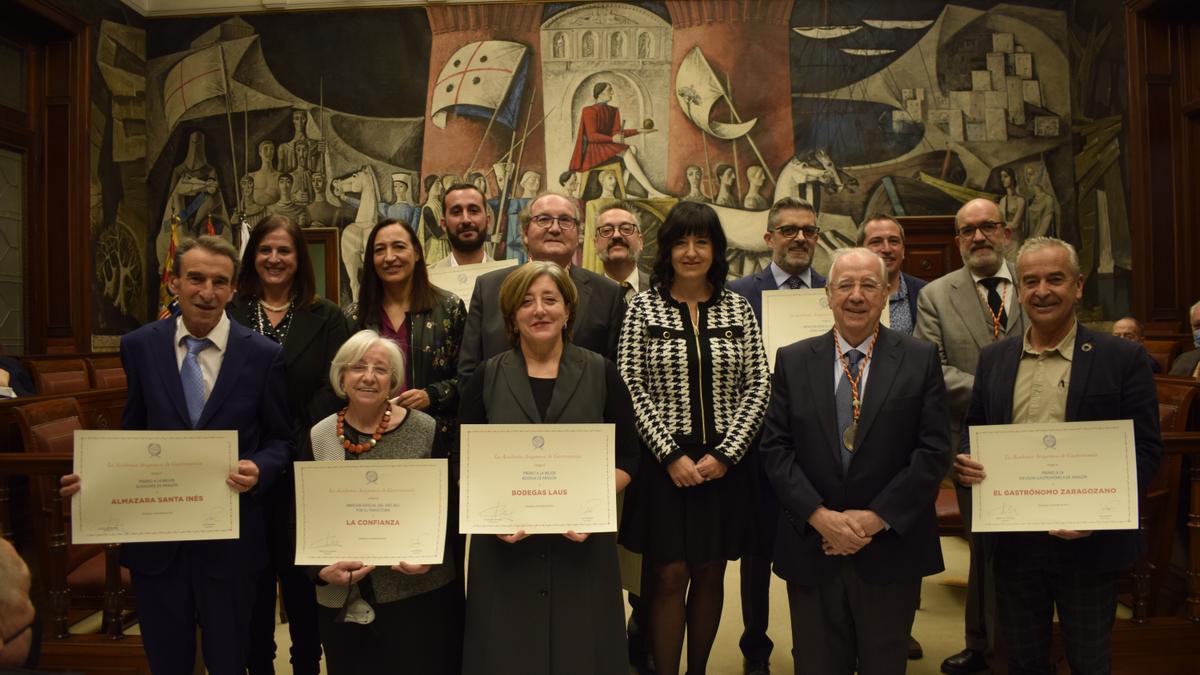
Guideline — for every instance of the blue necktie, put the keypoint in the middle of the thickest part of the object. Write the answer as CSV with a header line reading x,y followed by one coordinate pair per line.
x,y
191,378
845,405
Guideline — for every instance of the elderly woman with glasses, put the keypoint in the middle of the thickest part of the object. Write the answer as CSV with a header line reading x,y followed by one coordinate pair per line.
x,y
548,603
692,357
405,616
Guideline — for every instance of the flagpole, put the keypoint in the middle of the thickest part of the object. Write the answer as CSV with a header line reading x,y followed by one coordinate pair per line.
x,y
229,125
532,129
738,118
482,140
737,170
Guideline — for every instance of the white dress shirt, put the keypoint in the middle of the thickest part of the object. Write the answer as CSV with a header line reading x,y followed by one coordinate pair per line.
x,y
781,277
211,357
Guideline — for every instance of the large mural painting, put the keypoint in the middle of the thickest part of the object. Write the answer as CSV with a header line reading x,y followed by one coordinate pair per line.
x,y
338,119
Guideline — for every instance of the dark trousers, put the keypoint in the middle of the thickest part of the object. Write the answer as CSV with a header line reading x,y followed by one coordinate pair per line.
x,y
755,569
170,606
1034,576
846,624
981,585
300,603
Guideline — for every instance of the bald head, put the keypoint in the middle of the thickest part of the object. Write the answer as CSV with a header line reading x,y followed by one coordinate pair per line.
x,y
982,235
16,610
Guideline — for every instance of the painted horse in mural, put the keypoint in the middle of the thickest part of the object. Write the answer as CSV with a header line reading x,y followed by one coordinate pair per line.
x,y
803,177
354,238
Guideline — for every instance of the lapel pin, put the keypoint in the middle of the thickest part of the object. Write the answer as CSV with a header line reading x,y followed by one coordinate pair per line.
x,y
1087,347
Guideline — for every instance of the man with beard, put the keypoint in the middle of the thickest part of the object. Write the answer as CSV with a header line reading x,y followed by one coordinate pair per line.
x,y
792,236
884,236
619,245
466,220
963,312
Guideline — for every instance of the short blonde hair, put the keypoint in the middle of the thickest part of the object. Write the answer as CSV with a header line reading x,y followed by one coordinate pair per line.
x,y
516,285
353,350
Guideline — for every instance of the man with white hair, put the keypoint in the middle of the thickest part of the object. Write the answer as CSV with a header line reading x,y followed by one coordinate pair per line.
x,y
1187,364
854,454
1060,371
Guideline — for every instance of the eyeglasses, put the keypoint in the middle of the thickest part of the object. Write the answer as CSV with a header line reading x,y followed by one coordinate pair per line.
x,y
792,231
362,369
544,221
867,286
988,228
626,229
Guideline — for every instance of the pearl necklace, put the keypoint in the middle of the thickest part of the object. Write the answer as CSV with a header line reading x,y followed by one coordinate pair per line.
x,y
359,448
273,308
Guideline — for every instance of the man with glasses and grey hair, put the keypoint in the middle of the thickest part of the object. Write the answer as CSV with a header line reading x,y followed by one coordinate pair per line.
x,y
963,312
792,236
619,244
1187,364
550,231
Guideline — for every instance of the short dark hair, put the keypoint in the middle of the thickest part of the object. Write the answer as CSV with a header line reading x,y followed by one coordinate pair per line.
x,y
462,186
695,219
599,89
304,285
1138,327
370,294
862,229
787,204
721,169
618,204
565,177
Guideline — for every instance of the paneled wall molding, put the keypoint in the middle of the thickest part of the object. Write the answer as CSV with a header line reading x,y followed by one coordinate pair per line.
x,y
161,8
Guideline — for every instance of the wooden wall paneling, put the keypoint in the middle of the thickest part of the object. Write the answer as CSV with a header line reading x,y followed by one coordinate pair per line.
x,y
930,250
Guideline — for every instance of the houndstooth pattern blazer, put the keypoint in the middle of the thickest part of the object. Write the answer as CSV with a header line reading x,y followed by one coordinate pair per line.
x,y
694,387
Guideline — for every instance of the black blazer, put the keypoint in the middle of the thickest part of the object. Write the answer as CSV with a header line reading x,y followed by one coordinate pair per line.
x,y
903,453
597,318
751,288
1110,380
317,332
914,289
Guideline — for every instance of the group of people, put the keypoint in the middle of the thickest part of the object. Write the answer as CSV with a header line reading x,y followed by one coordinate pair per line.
x,y
826,469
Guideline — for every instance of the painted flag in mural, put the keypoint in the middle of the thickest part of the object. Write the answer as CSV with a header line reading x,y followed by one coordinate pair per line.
x,y
165,297
198,77
481,79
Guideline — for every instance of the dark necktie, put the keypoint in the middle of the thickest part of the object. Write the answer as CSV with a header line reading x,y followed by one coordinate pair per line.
x,y
995,303
626,288
191,378
845,402
795,282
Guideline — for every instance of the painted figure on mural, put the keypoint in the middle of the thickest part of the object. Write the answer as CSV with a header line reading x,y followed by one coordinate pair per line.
x,y
252,211
289,152
726,186
560,46
527,189
266,177
695,185
302,176
499,204
589,45
436,244
601,139
287,205
644,46
616,46
195,197
1042,213
1012,206
569,182
363,183
320,212
608,184
756,178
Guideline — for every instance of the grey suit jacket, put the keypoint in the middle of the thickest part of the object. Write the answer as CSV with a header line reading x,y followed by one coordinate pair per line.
x,y
1185,364
951,315
597,323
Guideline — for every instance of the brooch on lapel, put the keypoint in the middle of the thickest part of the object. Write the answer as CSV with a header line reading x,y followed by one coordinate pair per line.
x,y
1087,346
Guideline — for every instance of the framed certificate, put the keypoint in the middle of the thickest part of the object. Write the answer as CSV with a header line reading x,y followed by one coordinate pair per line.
x,y
381,512
461,280
541,478
794,315
1067,476
138,486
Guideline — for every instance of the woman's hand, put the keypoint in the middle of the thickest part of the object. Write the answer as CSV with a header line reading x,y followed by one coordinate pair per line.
x,y
512,538
575,536
345,572
414,399
683,472
711,468
405,568
69,485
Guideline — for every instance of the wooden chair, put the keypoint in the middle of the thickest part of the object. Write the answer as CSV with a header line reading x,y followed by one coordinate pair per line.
x,y
106,372
77,576
1162,351
58,376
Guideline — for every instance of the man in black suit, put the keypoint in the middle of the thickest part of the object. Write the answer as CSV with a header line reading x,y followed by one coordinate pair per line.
x,y
792,236
1089,377
550,228
855,458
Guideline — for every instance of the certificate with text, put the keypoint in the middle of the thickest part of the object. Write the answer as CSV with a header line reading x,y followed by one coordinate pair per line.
x,y
1066,476
380,512
793,315
139,486
540,478
461,280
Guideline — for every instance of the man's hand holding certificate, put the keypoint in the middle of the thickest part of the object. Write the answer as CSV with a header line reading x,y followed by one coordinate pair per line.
x,y
156,486
540,479
1067,478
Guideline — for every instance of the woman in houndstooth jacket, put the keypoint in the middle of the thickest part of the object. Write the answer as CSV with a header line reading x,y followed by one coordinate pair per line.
x,y
691,355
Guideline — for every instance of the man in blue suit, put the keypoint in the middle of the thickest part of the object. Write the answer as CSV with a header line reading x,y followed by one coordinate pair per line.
x,y
792,235
203,371
1059,371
